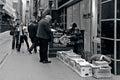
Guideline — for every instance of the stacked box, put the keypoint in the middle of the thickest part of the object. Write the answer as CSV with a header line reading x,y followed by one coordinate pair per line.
x,y
69,55
102,72
58,54
66,59
84,69
72,61
61,56
100,63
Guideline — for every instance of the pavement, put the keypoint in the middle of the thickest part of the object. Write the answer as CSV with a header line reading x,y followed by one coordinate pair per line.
x,y
5,45
24,66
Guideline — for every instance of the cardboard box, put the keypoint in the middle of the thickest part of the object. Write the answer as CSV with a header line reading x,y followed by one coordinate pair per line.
x,y
73,61
100,63
84,69
101,71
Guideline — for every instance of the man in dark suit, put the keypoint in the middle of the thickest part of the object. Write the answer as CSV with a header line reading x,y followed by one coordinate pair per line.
x,y
16,34
44,34
32,29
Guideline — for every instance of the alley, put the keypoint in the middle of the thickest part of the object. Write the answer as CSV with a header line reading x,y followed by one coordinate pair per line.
x,y
24,66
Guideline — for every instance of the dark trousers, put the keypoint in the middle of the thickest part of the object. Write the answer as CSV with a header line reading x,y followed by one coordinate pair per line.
x,y
15,40
43,49
34,44
76,48
22,39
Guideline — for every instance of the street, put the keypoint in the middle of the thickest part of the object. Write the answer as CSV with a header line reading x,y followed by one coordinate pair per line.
x,y
24,66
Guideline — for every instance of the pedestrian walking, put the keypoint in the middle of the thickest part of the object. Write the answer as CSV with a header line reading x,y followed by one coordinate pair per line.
x,y
15,38
44,35
32,29
23,36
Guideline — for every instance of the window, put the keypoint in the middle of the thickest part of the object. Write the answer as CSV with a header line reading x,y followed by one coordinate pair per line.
x,y
118,50
118,9
108,10
107,29
107,47
118,29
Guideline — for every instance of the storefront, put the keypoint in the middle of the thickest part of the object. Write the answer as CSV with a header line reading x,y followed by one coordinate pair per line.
x,y
110,37
7,16
80,14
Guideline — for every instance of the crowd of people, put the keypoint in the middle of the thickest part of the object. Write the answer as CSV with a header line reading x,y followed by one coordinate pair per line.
x,y
39,34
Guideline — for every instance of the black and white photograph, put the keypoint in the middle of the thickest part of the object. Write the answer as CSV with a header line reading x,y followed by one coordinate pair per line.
x,y
59,40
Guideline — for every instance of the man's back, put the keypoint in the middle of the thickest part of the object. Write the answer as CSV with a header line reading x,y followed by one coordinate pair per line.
x,y
43,29
32,29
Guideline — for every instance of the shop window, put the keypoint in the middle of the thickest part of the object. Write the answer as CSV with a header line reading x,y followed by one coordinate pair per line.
x,y
108,10
107,47
118,29
118,9
107,29
118,67
118,49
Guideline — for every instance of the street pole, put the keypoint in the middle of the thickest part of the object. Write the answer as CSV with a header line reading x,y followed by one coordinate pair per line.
x,y
1,8
50,7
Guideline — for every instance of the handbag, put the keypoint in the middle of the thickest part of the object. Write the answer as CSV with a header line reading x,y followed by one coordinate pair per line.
x,y
11,32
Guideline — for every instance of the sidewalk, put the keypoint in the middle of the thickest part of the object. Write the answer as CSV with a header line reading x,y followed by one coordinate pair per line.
x,y
23,66
5,45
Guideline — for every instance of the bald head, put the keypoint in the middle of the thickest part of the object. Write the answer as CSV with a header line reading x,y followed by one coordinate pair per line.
x,y
48,17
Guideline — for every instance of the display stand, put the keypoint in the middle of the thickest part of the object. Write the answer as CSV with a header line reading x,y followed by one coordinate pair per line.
x,y
57,45
61,42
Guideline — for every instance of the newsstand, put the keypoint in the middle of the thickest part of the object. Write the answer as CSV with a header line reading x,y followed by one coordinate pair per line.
x,y
62,42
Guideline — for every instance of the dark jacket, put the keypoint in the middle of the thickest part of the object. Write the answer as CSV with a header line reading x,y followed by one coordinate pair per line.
x,y
32,29
17,30
43,30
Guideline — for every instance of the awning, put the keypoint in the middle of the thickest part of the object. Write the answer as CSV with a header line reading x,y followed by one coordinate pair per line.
x,y
9,10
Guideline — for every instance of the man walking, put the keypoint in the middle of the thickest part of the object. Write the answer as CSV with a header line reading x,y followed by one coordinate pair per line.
x,y
32,29
44,35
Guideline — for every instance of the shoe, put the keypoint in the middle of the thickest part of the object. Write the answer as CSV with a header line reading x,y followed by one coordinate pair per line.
x,y
12,48
29,51
46,62
35,51
18,50
40,61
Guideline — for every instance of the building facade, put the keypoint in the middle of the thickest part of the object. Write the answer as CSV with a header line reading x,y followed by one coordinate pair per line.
x,y
8,13
18,6
31,10
27,12
43,7
35,2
